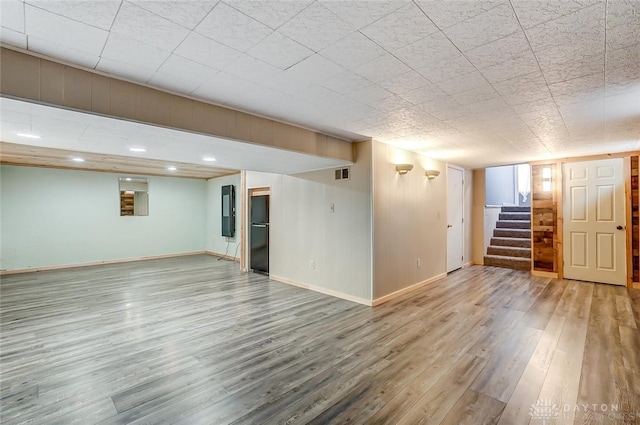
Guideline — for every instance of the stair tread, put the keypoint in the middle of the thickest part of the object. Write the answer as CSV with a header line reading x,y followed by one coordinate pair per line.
x,y
503,257
519,248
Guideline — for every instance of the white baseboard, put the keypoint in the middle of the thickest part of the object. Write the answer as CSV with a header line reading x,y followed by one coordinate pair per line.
x,y
322,290
98,263
469,264
219,254
403,291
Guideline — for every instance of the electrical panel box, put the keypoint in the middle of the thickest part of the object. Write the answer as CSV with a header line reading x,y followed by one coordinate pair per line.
x,y
228,210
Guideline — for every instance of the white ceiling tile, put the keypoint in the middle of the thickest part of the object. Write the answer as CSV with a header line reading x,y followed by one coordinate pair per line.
x,y
449,13
382,68
622,79
582,31
404,83
64,31
313,69
474,95
484,28
280,51
621,12
181,75
445,109
558,67
346,82
370,94
625,57
392,103
185,13
399,28
13,38
498,51
208,52
446,69
470,81
271,13
222,88
511,68
12,15
232,28
63,53
532,13
427,51
95,13
362,13
252,69
625,35
426,94
125,70
139,24
353,51
316,27
133,52
523,89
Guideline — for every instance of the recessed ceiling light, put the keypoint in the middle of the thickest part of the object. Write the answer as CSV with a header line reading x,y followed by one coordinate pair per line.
x,y
29,136
78,159
208,159
171,168
137,149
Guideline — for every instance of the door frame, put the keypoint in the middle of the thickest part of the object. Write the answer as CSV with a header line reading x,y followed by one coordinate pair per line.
x,y
247,193
558,188
463,211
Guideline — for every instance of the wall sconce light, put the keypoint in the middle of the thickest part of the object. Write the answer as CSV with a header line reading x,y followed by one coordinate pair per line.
x,y
546,179
403,169
432,174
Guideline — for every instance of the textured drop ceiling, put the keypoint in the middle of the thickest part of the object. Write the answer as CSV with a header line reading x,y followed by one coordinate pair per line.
x,y
476,83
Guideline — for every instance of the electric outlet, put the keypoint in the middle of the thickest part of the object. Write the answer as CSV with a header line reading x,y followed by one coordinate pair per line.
x,y
418,263
312,264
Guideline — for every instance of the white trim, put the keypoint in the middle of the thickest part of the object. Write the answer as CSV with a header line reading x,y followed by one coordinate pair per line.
x,y
322,290
403,291
469,264
99,263
221,256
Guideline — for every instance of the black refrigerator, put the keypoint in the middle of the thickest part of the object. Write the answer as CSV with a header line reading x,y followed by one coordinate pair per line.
x,y
260,233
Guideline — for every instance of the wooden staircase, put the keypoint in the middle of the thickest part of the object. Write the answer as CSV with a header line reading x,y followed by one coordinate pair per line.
x,y
511,242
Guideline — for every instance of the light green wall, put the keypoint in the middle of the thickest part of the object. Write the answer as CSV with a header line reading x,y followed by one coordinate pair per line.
x,y
55,217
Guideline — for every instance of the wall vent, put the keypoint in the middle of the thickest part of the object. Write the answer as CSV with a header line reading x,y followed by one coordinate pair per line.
x,y
343,173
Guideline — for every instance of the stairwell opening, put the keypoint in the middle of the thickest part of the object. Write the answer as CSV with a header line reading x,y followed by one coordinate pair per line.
x,y
508,217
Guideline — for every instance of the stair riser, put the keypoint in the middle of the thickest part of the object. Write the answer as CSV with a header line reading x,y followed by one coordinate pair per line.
x,y
513,224
514,216
519,243
515,264
509,252
515,209
512,233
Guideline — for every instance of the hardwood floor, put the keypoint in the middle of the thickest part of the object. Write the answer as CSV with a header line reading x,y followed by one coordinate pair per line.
x,y
191,340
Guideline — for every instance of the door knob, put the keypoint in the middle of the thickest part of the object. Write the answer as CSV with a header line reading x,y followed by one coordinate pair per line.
x,y
620,227
449,225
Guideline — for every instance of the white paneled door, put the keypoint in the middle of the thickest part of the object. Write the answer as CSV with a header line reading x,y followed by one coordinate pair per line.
x,y
455,232
594,235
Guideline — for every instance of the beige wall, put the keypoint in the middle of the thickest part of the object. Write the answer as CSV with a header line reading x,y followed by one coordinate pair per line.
x,y
409,221
303,228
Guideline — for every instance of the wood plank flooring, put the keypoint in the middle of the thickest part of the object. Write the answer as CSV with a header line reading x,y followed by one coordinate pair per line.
x,y
191,340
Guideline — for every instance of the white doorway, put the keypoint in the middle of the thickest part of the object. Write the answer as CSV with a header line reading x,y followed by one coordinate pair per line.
x,y
594,235
455,220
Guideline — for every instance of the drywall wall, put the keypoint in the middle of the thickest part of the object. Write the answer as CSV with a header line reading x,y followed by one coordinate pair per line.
x,y
468,217
216,243
409,221
305,229
56,217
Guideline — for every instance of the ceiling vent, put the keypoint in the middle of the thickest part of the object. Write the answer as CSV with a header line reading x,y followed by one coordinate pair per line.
x,y
343,173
